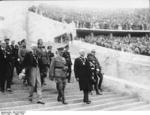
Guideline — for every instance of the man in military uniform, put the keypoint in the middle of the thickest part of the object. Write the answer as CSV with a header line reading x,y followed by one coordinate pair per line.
x,y
67,56
6,66
43,60
21,54
50,53
31,66
98,71
58,71
13,59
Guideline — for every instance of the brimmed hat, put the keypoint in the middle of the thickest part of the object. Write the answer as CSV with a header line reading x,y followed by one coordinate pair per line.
x,y
67,46
6,39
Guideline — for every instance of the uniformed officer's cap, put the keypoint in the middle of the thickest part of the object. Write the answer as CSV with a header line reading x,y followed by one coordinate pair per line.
x,y
6,39
60,48
22,41
48,47
93,51
66,46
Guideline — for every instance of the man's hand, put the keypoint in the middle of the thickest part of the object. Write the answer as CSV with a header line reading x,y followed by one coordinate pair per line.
x,y
77,79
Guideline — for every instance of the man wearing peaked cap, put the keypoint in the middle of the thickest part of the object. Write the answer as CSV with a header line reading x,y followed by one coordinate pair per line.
x,y
58,71
67,56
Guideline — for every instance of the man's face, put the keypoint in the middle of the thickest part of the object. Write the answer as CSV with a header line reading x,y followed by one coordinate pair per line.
x,y
60,53
13,43
67,48
7,41
93,53
23,43
40,43
50,49
82,53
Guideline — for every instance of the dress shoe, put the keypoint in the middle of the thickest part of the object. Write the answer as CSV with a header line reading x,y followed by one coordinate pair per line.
x,y
9,90
99,93
64,102
101,89
30,100
59,99
40,102
88,102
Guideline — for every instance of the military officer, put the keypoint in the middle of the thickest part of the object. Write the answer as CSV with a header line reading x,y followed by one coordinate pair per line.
x,y
58,71
21,54
83,75
31,65
13,58
67,56
43,60
98,70
50,53
93,67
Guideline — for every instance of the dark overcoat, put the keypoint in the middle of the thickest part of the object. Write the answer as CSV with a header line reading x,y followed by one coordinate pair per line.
x,y
83,73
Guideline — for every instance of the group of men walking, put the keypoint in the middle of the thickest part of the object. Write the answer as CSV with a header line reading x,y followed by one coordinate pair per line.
x,y
35,62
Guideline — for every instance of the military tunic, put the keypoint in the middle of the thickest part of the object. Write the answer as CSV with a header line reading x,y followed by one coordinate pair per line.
x,y
58,71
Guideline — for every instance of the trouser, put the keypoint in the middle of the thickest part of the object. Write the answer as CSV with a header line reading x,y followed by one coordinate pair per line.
x,y
26,78
18,66
69,73
85,95
5,80
60,85
100,80
95,82
96,85
36,89
35,82
43,73
12,71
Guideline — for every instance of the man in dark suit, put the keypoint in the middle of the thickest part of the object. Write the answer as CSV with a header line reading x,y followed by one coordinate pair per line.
x,y
83,75
6,66
67,56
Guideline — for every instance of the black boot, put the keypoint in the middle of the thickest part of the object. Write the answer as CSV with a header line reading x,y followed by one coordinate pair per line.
x,y
59,99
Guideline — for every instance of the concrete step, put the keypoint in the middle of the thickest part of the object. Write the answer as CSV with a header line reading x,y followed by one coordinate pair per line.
x,y
125,106
26,105
100,106
80,104
145,107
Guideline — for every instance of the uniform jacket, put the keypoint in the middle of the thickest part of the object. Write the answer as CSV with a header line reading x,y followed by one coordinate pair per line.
x,y
42,56
94,60
58,67
83,73
67,56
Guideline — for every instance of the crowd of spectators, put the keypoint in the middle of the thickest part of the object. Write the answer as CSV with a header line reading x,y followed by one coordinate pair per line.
x,y
122,19
136,45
